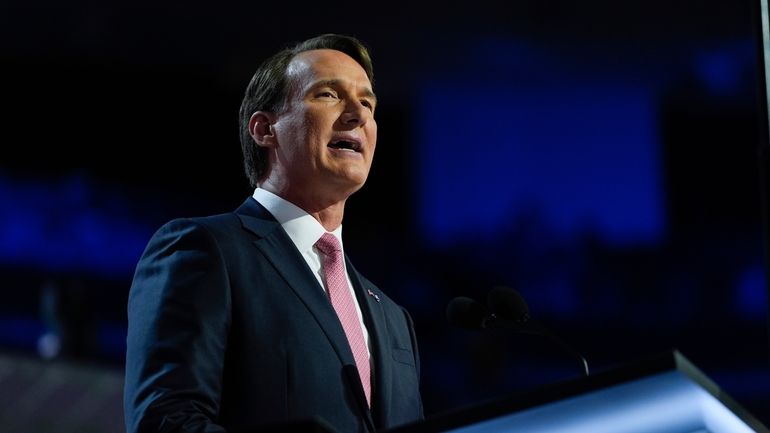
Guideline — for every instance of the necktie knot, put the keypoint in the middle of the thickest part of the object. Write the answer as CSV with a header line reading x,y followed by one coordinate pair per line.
x,y
328,244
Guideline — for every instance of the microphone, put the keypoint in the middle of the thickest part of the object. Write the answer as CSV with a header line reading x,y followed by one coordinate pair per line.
x,y
469,314
508,310
507,303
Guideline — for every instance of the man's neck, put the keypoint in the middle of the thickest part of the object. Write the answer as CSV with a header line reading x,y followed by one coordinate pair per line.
x,y
328,212
330,217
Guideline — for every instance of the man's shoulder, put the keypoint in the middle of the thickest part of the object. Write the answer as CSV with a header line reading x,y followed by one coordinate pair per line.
x,y
223,221
215,223
211,223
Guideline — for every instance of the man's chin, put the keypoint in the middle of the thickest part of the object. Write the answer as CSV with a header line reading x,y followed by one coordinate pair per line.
x,y
349,181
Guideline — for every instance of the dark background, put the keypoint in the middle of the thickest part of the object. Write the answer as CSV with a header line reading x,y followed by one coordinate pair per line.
x,y
600,157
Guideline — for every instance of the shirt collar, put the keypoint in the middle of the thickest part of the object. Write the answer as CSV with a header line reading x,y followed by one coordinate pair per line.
x,y
302,228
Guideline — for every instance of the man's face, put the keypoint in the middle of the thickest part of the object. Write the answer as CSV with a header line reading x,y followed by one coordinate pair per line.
x,y
327,134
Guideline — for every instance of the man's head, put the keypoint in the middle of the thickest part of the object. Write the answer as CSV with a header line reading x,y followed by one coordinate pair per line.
x,y
274,86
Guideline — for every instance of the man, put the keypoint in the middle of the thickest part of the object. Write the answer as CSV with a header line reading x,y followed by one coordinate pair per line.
x,y
253,318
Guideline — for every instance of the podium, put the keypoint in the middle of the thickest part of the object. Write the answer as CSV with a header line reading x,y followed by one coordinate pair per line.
x,y
664,394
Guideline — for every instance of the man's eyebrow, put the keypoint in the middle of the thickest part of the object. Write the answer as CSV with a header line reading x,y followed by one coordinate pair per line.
x,y
368,92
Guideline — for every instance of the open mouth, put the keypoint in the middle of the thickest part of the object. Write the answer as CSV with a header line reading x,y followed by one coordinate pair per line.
x,y
346,145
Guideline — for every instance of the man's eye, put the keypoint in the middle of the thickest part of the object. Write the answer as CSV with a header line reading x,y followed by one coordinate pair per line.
x,y
327,95
368,104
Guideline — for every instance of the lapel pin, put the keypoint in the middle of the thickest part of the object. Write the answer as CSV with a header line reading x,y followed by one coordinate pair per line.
x,y
376,298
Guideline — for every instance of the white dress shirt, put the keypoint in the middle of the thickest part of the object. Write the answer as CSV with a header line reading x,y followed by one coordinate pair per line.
x,y
304,231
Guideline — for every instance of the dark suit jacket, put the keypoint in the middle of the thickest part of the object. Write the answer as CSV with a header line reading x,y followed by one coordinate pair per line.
x,y
229,330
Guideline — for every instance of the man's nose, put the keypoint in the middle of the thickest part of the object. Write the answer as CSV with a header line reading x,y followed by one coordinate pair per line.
x,y
356,114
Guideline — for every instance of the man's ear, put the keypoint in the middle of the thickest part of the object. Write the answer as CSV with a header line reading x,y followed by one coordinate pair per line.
x,y
261,128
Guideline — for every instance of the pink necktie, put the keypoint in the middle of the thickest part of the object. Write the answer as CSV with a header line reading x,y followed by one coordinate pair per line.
x,y
342,301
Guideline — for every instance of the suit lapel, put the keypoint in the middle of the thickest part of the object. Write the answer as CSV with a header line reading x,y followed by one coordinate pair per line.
x,y
278,248
374,317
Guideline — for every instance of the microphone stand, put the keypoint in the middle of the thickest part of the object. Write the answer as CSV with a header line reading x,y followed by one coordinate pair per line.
x,y
563,344
471,314
535,328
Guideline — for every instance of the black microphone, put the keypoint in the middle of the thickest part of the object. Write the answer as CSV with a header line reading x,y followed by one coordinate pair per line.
x,y
473,315
508,304
468,313
507,309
